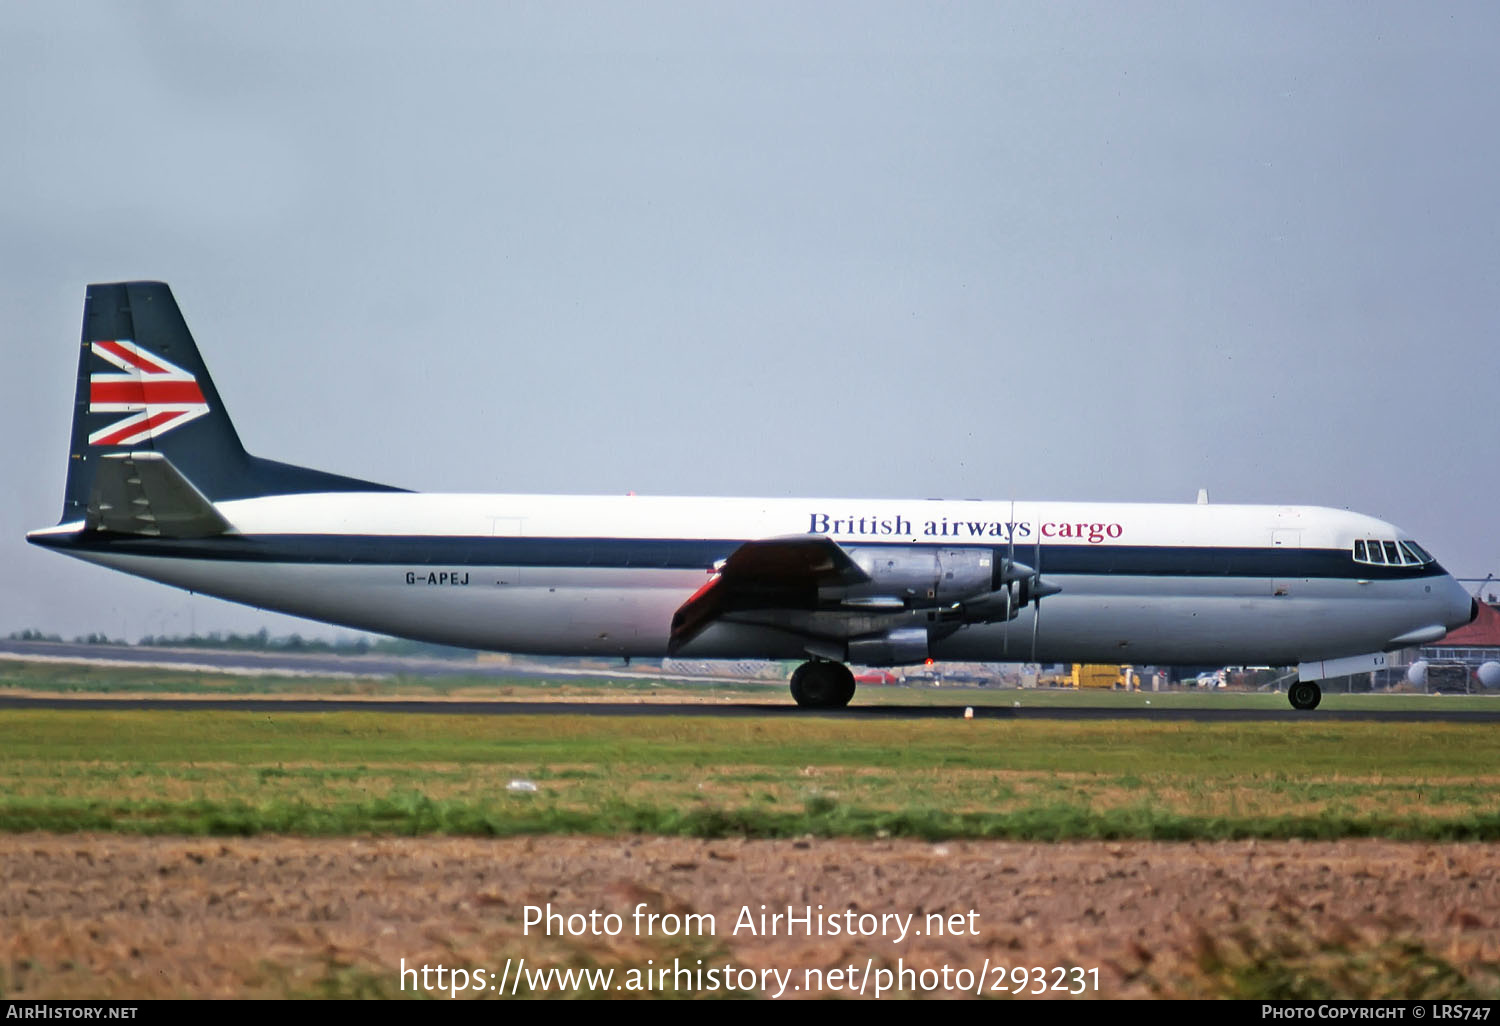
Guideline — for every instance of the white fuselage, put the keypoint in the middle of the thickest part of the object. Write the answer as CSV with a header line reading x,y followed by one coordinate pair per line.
x,y
1183,584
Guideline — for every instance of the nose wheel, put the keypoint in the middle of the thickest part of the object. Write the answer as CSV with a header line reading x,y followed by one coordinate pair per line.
x,y
822,685
1304,695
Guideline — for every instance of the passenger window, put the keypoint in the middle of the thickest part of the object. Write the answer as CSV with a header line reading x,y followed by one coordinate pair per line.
x,y
1391,555
1359,551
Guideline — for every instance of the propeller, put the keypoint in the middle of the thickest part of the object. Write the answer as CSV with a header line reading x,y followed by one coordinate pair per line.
x,y
1036,593
1038,590
1010,585
1023,586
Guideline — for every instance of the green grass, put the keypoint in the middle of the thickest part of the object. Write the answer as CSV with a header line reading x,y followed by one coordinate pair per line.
x,y
236,773
342,740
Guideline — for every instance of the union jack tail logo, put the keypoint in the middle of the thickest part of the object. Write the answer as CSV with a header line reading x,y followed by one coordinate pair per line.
x,y
157,395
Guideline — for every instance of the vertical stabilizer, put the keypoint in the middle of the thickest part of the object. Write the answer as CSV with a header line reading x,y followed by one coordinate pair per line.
x,y
142,386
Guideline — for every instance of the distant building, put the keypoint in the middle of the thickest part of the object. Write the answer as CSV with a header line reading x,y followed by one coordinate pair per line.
x,y
1472,644
1462,652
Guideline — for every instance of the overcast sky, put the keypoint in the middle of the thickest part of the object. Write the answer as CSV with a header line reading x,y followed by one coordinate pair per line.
x,y
1100,251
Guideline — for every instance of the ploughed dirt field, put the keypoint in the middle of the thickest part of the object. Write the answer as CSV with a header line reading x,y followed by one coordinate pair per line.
x,y
109,916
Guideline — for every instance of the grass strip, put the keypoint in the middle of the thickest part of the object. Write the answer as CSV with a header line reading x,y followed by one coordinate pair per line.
x,y
415,814
321,774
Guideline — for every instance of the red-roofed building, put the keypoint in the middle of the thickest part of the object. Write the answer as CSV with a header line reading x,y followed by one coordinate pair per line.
x,y
1452,663
1473,643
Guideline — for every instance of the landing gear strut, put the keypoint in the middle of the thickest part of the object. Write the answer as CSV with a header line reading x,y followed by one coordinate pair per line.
x,y
1305,695
822,685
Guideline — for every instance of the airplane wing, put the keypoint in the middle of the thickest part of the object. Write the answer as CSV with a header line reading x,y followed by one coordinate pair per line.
x,y
774,573
142,493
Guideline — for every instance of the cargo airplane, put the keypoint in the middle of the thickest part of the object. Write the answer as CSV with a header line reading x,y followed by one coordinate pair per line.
x,y
159,486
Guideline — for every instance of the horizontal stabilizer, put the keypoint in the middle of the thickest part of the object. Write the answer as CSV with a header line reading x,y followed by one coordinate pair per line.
x,y
142,493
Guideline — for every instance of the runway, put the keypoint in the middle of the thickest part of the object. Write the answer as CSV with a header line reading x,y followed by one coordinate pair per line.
x,y
728,710
335,665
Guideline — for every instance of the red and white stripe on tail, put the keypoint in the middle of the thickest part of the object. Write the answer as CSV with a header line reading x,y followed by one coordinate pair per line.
x,y
158,395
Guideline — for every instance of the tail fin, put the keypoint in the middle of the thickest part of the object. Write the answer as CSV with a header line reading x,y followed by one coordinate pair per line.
x,y
143,387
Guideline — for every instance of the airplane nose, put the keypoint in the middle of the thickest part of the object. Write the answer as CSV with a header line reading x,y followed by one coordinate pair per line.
x,y
1460,608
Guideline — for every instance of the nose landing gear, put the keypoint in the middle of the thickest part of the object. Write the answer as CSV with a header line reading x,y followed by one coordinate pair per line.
x,y
1304,695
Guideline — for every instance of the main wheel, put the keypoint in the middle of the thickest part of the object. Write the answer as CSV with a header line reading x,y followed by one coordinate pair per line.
x,y
1304,695
822,685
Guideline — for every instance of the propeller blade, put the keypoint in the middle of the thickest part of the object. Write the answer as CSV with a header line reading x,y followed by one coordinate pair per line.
x,y
1036,594
1010,585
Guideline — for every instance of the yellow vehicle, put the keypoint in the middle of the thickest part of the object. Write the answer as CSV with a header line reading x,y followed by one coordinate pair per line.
x,y
1091,675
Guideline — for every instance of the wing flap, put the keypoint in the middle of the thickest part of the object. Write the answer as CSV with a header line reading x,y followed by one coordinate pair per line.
x,y
143,493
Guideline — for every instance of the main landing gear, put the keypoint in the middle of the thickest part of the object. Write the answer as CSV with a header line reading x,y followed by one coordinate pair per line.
x,y
822,685
1305,694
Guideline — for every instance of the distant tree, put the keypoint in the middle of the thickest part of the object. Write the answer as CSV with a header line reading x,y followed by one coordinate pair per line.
x,y
33,635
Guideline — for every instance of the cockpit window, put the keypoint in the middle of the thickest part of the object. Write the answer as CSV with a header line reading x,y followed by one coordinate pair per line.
x,y
1381,552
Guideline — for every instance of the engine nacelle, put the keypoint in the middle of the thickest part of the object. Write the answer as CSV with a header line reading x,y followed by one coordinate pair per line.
x,y
992,607
922,576
901,647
